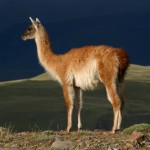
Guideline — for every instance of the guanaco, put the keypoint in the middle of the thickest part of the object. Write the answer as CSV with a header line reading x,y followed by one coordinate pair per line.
x,y
83,68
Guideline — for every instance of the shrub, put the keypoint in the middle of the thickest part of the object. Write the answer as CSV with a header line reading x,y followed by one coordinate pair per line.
x,y
143,127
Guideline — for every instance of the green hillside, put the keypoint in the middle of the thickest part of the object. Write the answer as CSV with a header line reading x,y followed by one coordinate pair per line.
x,y
135,72
38,103
139,73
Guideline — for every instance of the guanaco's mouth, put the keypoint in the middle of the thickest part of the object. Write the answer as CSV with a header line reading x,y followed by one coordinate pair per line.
x,y
23,38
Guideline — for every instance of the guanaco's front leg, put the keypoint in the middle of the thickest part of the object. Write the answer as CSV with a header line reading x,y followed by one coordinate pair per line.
x,y
69,95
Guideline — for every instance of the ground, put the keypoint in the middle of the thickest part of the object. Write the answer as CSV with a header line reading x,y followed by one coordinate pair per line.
x,y
79,140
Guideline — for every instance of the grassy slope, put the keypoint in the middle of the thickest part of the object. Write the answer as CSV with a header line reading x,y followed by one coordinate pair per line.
x,y
38,103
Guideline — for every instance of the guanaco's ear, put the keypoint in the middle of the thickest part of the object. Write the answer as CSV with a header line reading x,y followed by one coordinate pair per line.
x,y
37,20
33,22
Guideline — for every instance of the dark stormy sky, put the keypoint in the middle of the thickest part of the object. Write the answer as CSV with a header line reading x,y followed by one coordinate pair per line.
x,y
72,23
17,11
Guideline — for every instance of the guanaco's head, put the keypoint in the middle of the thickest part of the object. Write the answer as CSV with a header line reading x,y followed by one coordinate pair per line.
x,y
30,33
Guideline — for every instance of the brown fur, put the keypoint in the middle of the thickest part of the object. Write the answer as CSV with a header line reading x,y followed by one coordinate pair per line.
x,y
83,68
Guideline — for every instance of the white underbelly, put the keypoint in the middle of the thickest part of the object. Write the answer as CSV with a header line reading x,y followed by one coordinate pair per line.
x,y
86,80
87,77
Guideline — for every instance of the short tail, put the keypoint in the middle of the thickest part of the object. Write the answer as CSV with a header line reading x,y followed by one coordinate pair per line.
x,y
124,62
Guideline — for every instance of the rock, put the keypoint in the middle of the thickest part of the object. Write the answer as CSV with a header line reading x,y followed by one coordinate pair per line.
x,y
109,148
63,145
139,139
81,145
128,146
136,137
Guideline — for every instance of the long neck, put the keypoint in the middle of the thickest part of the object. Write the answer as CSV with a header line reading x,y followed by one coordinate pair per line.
x,y
44,49
47,57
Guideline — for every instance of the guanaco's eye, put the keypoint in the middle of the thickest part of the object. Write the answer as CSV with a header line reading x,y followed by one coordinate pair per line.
x,y
30,29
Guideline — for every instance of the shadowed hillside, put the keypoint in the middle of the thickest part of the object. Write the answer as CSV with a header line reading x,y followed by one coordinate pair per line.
x,y
38,103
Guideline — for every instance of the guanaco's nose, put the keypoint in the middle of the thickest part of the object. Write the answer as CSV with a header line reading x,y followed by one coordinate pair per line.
x,y
23,37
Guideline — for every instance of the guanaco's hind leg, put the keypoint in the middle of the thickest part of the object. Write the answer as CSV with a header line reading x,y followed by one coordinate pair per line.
x,y
116,103
69,95
78,105
120,91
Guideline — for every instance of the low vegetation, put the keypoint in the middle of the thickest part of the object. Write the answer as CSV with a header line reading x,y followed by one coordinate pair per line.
x,y
81,140
144,127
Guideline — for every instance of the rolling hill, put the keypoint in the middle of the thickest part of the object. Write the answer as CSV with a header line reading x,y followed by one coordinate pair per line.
x,y
38,103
